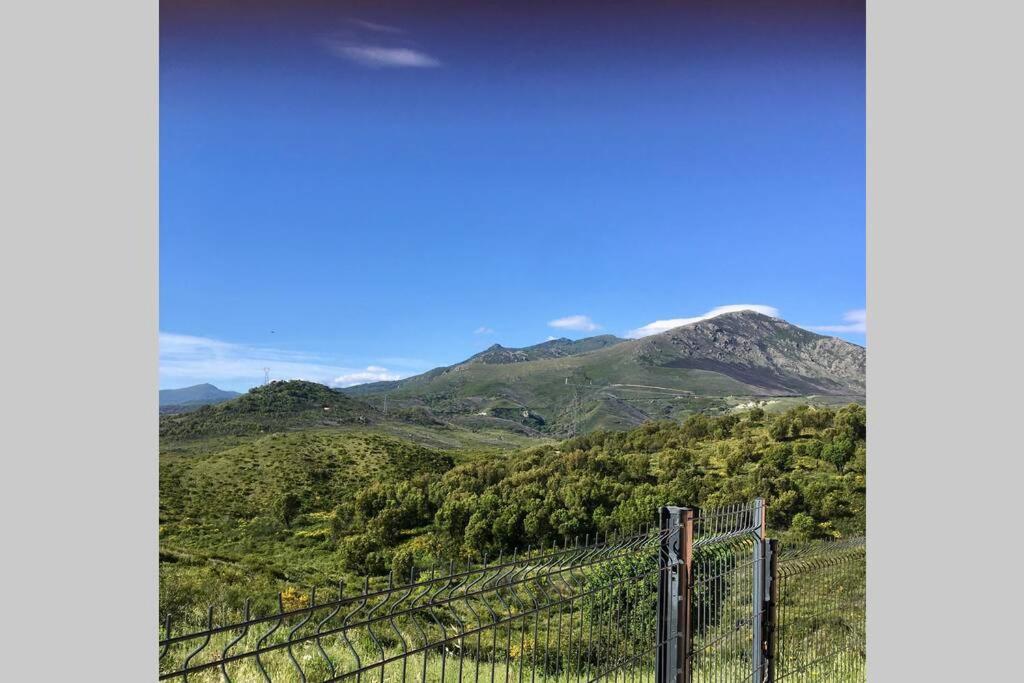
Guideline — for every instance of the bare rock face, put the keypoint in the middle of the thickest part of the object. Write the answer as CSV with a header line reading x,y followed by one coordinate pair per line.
x,y
761,351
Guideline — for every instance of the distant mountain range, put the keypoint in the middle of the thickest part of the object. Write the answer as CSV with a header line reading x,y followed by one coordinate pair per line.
x,y
190,398
606,382
558,387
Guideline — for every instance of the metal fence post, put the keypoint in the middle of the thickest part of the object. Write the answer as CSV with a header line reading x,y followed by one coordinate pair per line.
x,y
758,591
771,608
668,594
686,521
675,565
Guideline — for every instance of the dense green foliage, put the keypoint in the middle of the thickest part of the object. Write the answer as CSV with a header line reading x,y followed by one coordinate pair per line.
x,y
808,464
311,507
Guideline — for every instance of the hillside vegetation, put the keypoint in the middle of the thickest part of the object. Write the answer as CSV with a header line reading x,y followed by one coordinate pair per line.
x,y
272,407
310,508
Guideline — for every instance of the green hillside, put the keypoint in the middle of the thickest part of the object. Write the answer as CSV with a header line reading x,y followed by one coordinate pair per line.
x,y
321,467
273,407
307,508
221,521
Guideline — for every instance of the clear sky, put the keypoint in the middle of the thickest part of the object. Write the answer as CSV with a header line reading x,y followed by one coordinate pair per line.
x,y
365,190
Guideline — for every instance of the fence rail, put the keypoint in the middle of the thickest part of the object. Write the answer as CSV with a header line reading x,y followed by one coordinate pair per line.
x,y
702,597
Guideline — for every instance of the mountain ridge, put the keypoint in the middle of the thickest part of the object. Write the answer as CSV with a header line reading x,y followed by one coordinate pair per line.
x,y
552,348
705,363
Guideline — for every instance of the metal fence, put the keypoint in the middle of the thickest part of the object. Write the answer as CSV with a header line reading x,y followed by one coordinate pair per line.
x,y
819,629
583,612
726,580
703,597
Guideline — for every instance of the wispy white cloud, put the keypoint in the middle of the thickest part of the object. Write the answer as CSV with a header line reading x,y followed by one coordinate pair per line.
x,y
372,373
483,330
855,322
581,323
663,325
378,56
187,359
376,26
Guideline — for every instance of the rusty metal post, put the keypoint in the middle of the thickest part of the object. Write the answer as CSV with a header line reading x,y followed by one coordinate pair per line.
x,y
771,610
686,521
762,517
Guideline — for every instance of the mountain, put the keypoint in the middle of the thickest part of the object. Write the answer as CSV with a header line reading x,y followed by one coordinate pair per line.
x,y
606,382
765,353
553,348
200,393
496,354
190,398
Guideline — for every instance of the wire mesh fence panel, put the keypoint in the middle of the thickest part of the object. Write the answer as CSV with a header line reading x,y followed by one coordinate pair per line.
x,y
584,612
702,598
725,611
820,613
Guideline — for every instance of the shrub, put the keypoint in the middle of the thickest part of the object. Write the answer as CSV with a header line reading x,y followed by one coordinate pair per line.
x,y
288,508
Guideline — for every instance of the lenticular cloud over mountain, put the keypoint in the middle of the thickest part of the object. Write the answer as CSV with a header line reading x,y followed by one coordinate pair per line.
x,y
659,326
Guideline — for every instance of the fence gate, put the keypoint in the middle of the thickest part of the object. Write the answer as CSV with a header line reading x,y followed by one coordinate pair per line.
x,y
713,591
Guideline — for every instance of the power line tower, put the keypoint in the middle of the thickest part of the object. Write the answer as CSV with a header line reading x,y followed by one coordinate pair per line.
x,y
266,375
576,406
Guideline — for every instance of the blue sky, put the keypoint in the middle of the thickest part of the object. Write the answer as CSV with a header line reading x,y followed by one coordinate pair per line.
x,y
354,191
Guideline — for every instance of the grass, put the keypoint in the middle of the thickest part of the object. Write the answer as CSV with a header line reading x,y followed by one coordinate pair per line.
x,y
419,668
821,615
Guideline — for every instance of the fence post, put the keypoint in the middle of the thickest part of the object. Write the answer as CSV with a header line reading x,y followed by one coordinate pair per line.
x,y
771,608
675,564
758,591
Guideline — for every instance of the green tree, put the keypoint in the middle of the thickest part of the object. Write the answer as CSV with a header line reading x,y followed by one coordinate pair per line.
x,y
341,521
803,527
403,566
838,451
288,508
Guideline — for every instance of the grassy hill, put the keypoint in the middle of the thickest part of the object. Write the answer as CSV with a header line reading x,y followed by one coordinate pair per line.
x,y
284,407
220,521
273,407
322,467
713,365
364,503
